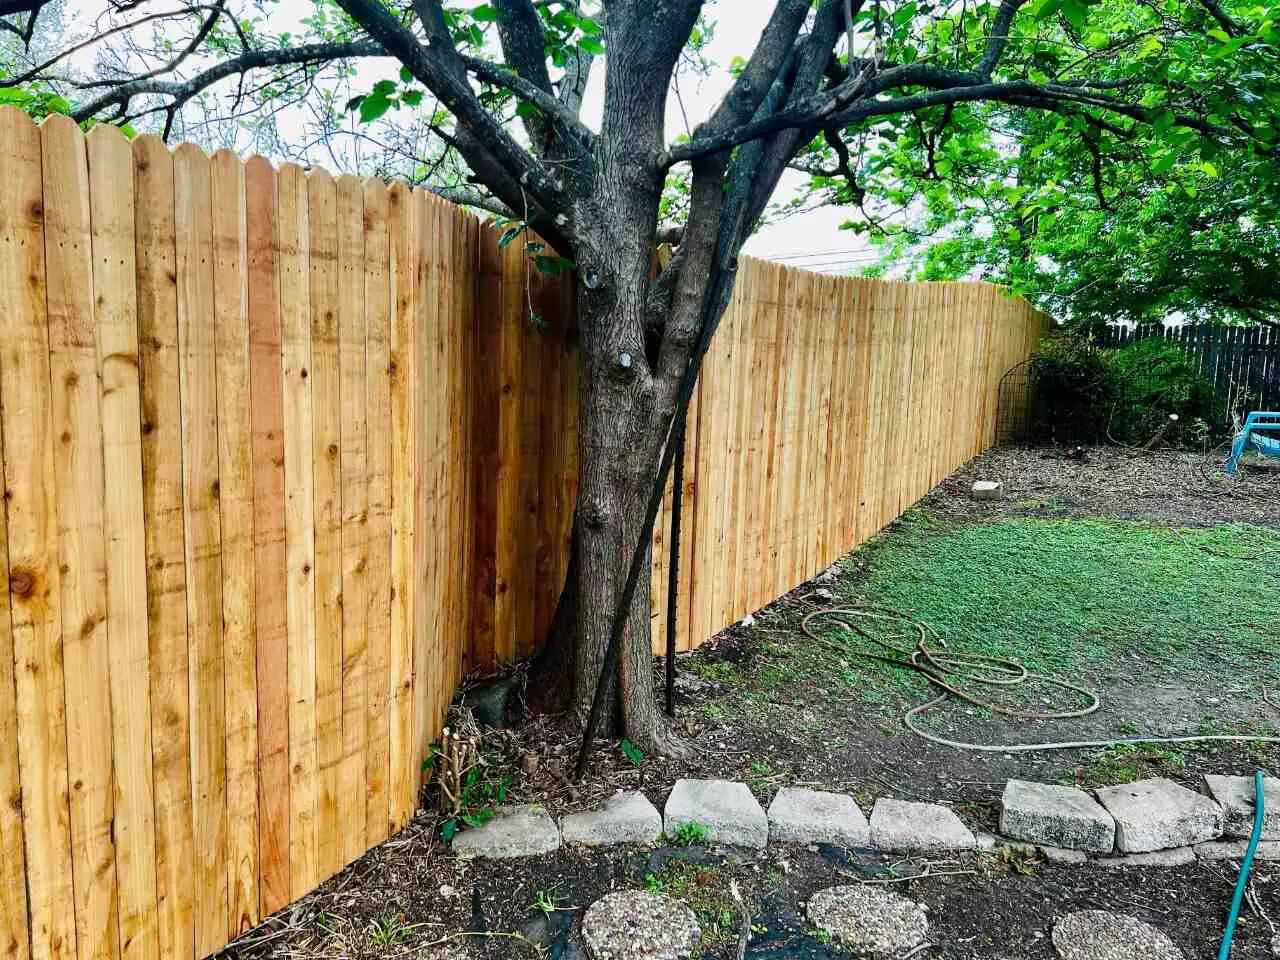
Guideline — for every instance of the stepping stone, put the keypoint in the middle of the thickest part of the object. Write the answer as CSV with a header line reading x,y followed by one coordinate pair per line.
x,y
811,816
524,830
901,826
1159,814
1099,935
1235,794
627,817
725,807
636,923
1056,816
868,920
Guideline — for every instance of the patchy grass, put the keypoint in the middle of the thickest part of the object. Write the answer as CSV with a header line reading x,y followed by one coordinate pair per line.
x,y
1087,600
1072,595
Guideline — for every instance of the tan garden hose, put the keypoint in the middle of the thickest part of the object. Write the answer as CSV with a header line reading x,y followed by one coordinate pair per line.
x,y
944,668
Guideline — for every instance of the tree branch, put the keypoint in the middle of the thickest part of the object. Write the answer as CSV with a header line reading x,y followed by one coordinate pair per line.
x,y
183,90
999,37
524,48
753,83
438,67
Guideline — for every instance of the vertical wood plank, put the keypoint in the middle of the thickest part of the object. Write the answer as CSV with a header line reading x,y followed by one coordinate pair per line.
x,y
404,253
326,459
15,940
115,283
378,406
271,571
235,502
355,515
33,582
299,518
77,418
197,343
428,665
509,581
429,518
486,404
155,252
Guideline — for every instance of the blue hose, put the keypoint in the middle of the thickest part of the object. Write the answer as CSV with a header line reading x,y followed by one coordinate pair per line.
x,y
1242,883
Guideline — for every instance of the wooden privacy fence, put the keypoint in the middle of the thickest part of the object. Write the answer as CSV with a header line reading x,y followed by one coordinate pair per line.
x,y
283,457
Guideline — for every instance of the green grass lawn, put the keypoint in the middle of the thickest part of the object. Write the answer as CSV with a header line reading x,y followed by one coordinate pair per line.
x,y
1074,595
1094,602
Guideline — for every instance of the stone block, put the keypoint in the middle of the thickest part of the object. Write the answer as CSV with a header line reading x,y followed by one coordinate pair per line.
x,y
987,489
903,826
1056,816
726,808
1159,814
1235,796
626,817
524,830
797,815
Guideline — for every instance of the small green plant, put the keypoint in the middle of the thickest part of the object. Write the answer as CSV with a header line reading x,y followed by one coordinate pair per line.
x,y
691,833
1017,861
632,752
549,900
482,793
390,930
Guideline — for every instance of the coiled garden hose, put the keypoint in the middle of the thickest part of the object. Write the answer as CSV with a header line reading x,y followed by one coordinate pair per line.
x,y
1242,882
945,669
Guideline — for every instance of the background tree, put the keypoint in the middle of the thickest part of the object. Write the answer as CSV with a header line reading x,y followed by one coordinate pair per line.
x,y
834,87
1095,221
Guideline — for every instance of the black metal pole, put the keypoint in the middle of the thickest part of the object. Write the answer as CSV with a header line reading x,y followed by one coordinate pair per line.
x,y
673,567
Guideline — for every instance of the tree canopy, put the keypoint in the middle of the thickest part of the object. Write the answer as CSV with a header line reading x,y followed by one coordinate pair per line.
x,y
1098,218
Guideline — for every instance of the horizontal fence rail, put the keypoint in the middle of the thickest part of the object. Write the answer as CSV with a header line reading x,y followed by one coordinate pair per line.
x,y
1242,362
284,457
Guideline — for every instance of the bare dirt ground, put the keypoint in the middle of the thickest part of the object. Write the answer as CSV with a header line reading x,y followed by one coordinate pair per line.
x,y
1164,486
762,704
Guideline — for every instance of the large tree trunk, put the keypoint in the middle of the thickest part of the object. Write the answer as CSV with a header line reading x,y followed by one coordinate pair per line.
x,y
614,488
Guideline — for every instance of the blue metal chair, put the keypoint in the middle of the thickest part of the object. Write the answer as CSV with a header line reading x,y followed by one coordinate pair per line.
x,y
1252,437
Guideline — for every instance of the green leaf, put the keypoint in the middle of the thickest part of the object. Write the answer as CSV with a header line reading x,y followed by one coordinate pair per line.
x,y
590,45
508,235
405,75
485,13
632,752
411,98
552,265
527,110
448,829
374,106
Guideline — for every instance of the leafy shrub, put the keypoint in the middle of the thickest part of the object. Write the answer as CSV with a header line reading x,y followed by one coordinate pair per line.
x,y
1071,392
1155,380
1079,394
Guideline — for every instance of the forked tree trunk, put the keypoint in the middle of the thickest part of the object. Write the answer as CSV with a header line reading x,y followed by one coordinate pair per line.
x,y
618,448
